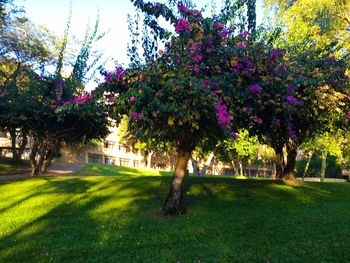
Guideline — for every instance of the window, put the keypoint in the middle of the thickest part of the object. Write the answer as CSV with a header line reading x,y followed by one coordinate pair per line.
x,y
109,144
94,158
124,162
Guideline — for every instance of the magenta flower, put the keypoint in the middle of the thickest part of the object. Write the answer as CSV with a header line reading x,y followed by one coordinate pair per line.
x,y
255,88
132,99
134,115
111,99
275,55
349,113
219,25
196,69
244,34
197,58
182,26
224,117
225,33
241,45
79,100
293,101
65,103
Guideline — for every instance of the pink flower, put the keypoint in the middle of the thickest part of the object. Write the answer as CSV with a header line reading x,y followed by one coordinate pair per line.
x,y
244,34
349,113
219,25
255,88
111,99
196,69
82,99
293,101
198,57
182,25
132,99
241,45
224,117
134,115
65,103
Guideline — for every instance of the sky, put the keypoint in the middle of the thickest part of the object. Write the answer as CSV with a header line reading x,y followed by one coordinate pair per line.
x,y
113,17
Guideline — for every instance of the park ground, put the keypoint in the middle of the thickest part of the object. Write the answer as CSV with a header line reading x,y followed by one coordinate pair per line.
x,y
113,214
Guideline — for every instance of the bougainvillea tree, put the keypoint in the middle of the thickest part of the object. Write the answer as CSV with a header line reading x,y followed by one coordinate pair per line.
x,y
293,96
209,81
178,98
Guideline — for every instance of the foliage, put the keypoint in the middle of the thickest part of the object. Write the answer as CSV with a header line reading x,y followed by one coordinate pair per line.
x,y
310,23
333,169
244,148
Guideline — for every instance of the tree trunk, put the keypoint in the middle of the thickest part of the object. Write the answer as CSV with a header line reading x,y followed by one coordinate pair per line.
x,y
195,166
15,157
289,169
323,165
240,168
279,160
173,204
234,168
149,159
207,163
307,165
23,144
32,158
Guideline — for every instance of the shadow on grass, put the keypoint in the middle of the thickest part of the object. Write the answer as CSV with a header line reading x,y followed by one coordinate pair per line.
x,y
118,219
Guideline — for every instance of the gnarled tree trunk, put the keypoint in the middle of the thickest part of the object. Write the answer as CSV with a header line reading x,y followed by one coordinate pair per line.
x,y
207,163
17,153
173,204
289,169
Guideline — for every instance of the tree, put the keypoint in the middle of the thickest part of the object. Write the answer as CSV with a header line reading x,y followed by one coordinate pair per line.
x,y
66,114
310,23
244,148
24,50
296,95
176,97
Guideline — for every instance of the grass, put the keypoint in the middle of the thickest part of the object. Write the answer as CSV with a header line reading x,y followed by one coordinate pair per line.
x,y
94,169
8,167
118,219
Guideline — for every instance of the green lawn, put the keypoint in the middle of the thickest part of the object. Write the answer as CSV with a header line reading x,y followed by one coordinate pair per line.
x,y
7,167
118,219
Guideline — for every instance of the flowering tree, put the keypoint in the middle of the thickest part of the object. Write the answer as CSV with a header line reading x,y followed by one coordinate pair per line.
x,y
178,98
295,96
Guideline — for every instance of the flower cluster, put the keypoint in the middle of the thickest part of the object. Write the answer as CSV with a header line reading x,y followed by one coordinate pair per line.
x,y
182,26
255,88
245,66
222,113
116,75
82,99
187,11
137,116
293,101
